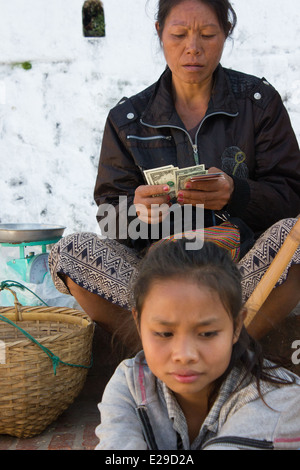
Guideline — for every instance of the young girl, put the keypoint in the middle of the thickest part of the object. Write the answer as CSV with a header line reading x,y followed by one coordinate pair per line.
x,y
200,381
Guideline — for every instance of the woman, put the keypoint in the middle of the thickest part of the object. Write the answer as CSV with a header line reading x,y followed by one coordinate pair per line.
x,y
197,113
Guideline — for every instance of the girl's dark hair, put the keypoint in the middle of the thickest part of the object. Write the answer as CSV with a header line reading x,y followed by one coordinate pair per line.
x,y
222,8
209,266
212,267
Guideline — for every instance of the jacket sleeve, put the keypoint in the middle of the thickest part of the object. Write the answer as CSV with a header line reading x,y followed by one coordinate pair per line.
x,y
120,428
118,177
274,191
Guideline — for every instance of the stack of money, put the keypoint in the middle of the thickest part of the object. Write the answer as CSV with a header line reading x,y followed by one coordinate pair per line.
x,y
173,176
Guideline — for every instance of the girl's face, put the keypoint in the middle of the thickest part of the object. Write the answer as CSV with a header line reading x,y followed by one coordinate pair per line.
x,y
187,336
193,42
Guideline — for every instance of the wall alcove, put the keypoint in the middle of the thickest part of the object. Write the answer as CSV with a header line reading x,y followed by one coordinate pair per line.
x,y
93,21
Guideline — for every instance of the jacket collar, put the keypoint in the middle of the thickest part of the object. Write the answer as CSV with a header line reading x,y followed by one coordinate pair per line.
x,y
161,110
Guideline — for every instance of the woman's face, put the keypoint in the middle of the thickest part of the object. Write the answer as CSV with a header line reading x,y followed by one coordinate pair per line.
x,y
192,41
187,336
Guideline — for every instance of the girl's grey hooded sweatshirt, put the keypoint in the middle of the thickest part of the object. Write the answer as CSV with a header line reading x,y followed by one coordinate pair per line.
x,y
138,412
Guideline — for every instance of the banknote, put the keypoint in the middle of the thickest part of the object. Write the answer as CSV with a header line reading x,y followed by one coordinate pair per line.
x,y
206,177
173,176
163,175
147,173
184,174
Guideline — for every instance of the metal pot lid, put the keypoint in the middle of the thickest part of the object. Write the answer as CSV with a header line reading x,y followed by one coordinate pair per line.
x,y
22,233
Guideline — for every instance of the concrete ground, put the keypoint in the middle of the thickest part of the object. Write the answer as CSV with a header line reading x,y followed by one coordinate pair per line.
x,y
75,428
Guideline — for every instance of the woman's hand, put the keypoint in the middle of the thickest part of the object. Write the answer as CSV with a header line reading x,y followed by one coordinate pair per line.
x,y
152,202
213,194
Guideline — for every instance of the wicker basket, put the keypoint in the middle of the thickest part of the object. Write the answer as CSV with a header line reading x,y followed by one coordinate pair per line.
x,y
34,387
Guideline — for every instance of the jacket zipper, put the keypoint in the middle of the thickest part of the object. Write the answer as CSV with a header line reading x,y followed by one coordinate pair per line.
x,y
244,442
136,137
147,428
193,144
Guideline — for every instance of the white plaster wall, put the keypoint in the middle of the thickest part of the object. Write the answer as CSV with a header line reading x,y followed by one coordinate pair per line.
x,y
52,116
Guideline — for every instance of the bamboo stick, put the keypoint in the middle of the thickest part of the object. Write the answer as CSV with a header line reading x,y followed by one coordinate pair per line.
x,y
273,273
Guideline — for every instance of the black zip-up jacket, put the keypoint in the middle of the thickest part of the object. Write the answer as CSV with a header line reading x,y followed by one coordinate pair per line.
x,y
246,132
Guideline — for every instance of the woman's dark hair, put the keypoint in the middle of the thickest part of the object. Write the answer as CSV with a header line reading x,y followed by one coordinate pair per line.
x,y
222,8
212,267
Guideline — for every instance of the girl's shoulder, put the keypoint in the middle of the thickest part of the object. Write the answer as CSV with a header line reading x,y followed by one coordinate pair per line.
x,y
266,415
132,377
277,382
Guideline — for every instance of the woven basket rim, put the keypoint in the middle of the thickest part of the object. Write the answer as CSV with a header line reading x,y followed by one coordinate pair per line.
x,y
41,313
45,315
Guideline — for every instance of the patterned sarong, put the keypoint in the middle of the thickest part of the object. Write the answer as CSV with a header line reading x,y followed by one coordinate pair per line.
x,y
225,235
108,268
